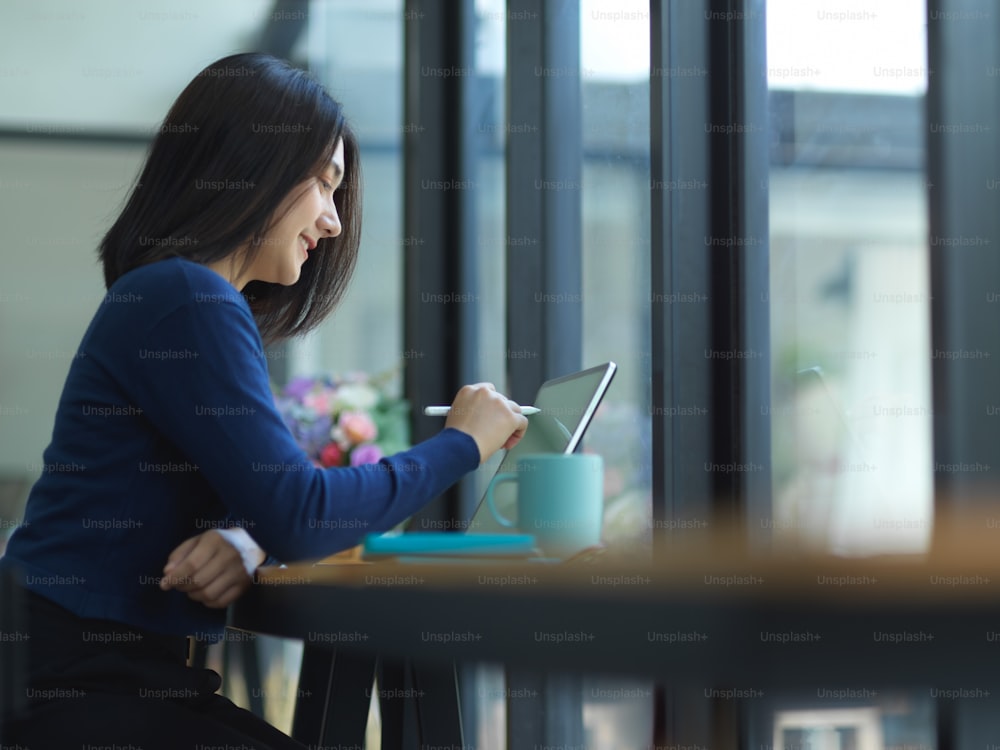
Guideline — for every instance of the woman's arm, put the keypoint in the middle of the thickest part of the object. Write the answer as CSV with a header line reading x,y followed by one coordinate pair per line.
x,y
213,568
208,393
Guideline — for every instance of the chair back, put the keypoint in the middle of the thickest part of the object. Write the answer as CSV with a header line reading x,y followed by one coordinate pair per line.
x,y
13,643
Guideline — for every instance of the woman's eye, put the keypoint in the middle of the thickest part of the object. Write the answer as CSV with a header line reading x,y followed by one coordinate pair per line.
x,y
327,185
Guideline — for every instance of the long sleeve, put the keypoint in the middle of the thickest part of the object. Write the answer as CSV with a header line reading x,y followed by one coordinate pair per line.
x,y
167,427
207,391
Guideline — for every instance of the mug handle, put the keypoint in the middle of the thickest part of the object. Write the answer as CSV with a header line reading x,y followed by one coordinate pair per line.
x,y
507,476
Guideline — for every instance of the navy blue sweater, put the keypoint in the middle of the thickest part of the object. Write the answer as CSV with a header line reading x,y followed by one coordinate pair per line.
x,y
167,428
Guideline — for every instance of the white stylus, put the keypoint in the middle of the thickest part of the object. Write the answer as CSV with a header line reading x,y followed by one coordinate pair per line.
x,y
442,411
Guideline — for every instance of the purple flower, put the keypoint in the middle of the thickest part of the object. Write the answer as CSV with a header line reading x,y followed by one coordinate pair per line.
x,y
313,436
299,386
369,453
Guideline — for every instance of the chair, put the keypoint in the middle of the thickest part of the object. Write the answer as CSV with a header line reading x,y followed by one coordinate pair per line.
x,y
235,653
13,637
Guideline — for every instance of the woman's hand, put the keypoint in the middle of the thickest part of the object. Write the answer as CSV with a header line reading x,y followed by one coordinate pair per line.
x,y
210,569
492,420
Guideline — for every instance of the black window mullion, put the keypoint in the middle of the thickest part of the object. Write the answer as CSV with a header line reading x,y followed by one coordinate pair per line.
x,y
755,279
709,308
544,276
544,168
680,285
710,324
738,248
963,164
440,309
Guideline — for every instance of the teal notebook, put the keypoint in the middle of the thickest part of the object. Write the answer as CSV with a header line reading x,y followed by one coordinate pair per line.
x,y
447,544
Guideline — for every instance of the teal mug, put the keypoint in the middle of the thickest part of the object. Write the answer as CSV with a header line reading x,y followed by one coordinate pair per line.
x,y
560,500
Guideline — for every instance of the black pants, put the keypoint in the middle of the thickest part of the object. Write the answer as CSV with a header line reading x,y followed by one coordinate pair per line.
x,y
101,683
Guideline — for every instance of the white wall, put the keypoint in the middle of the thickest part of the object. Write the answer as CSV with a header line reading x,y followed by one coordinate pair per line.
x,y
55,203
114,64
68,67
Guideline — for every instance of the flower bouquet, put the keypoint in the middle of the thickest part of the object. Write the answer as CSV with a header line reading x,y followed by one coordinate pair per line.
x,y
345,421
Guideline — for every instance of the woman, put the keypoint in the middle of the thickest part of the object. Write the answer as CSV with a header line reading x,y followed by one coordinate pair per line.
x,y
243,227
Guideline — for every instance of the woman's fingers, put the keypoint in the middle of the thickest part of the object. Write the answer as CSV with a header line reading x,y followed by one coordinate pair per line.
x,y
493,420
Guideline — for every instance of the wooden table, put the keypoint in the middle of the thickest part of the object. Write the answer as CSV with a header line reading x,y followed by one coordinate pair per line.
x,y
699,618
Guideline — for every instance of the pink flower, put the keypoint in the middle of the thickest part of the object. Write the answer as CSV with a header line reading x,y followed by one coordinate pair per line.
x,y
321,401
366,454
357,427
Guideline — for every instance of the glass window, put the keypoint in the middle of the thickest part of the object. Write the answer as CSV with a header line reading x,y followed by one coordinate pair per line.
x,y
614,80
850,318
490,134
849,290
356,49
614,77
614,50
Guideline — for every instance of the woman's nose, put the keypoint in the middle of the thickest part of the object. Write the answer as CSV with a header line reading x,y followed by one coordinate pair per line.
x,y
329,222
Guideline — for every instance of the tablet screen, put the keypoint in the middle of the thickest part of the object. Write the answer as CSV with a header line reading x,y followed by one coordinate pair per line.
x,y
567,405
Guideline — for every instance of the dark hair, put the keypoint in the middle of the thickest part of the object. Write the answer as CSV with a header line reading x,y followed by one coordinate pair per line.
x,y
239,138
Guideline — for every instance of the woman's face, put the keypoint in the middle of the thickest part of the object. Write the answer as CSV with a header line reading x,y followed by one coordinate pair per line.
x,y
308,214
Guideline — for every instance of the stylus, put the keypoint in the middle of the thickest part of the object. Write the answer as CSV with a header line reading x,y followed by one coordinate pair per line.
x,y
442,411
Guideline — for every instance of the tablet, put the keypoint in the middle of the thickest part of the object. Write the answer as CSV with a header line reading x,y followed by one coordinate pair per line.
x,y
567,405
